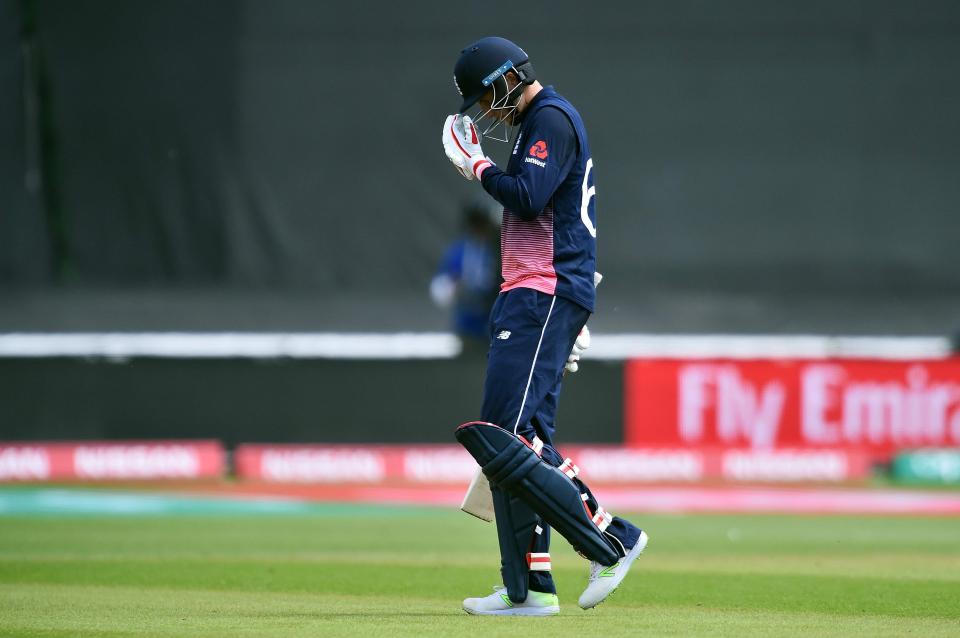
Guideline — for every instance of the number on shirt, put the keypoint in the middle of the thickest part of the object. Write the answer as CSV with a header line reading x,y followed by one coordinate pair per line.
x,y
586,194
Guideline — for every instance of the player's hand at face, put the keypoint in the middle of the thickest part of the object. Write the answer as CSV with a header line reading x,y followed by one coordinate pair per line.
x,y
461,143
468,135
454,149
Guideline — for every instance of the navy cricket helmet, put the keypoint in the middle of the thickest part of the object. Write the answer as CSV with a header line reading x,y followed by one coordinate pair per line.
x,y
484,64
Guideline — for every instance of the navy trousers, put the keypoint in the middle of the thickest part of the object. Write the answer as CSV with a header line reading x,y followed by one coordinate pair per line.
x,y
531,335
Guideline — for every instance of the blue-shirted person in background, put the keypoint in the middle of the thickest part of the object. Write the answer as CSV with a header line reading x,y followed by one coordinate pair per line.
x,y
467,280
548,263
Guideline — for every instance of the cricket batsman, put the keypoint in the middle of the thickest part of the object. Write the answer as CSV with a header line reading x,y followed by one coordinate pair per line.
x,y
548,247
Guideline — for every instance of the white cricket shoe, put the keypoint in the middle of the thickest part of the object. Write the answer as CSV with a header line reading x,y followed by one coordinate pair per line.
x,y
499,604
604,580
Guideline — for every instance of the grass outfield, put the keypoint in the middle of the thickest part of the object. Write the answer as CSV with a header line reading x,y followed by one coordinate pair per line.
x,y
364,571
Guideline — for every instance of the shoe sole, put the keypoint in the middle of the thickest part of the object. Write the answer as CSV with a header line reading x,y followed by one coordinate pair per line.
x,y
517,611
631,556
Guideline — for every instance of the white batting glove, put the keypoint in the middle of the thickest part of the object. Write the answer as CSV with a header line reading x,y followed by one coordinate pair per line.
x,y
581,344
452,148
461,143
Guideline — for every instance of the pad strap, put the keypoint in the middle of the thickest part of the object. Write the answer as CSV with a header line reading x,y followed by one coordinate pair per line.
x,y
568,468
536,445
538,562
602,518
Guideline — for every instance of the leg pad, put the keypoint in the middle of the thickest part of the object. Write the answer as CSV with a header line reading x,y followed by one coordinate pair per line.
x,y
514,467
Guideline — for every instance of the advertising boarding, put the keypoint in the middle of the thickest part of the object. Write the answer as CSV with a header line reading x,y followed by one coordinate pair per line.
x,y
873,406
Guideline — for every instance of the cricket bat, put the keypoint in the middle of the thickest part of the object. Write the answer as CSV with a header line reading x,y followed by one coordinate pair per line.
x,y
478,501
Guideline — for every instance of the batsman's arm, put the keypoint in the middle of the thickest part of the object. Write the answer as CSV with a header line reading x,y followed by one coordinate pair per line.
x,y
583,339
542,168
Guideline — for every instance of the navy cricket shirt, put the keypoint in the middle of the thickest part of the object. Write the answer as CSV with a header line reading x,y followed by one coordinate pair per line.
x,y
548,239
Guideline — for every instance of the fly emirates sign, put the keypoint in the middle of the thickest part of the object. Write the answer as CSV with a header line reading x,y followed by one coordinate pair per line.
x,y
881,406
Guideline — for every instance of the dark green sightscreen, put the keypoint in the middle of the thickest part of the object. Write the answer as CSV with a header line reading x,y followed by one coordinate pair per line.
x,y
748,145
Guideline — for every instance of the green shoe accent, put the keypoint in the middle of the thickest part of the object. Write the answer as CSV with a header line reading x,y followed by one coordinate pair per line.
x,y
507,600
608,571
543,598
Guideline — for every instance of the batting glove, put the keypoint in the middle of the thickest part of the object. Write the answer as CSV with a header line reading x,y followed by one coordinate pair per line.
x,y
461,143
581,344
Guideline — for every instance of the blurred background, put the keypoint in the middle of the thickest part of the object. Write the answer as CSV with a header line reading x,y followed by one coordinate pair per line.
x,y
220,221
